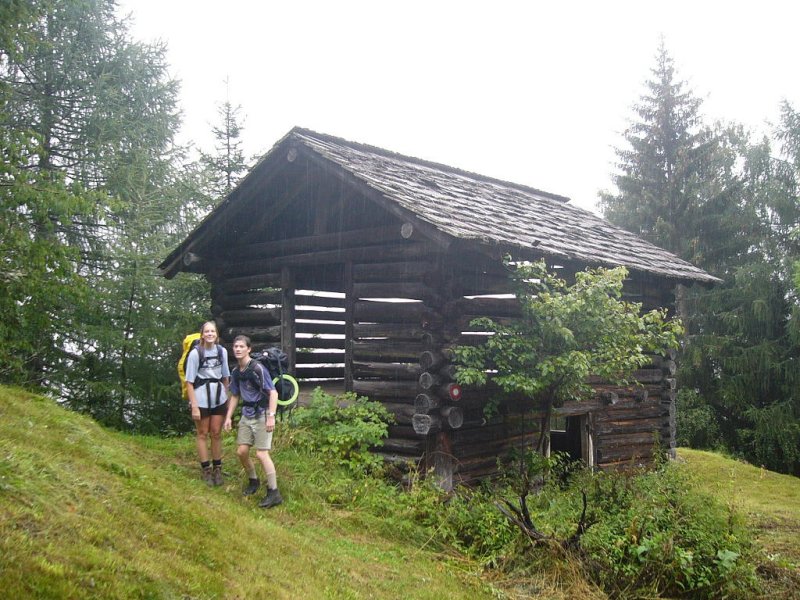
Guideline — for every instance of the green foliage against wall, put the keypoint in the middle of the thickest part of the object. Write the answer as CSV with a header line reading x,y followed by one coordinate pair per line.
x,y
566,333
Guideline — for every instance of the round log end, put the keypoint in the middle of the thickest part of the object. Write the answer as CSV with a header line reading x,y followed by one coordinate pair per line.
x,y
425,424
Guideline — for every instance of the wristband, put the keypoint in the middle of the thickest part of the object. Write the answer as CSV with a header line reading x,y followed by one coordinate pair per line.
x,y
269,414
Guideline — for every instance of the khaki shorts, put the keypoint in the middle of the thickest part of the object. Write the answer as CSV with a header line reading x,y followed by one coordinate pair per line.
x,y
253,432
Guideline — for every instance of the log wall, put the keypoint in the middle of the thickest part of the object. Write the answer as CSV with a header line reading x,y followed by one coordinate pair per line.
x,y
380,312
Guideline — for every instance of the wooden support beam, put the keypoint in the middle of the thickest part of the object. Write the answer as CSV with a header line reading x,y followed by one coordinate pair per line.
x,y
288,326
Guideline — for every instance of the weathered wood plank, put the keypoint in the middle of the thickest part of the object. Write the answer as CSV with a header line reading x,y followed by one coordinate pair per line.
x,y
317,372
233,285
396,312
402,251
412,290
320,358
319,328
320,342
247,299
386,351
406,271
263,317
386,371
326,241
390,390
395,331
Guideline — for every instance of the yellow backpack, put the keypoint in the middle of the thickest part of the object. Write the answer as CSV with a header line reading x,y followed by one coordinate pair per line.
x,y
189,342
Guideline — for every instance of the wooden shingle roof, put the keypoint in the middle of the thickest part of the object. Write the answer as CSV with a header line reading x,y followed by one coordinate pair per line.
x,y
467,206
473,207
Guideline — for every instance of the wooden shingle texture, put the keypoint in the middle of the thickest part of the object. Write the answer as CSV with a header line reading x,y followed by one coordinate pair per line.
x,y
473,207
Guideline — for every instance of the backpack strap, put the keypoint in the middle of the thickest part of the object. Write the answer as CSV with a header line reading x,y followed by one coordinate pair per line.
x,y
199,381
252,373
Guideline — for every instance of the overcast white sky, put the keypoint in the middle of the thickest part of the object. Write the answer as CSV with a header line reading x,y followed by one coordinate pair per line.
x,y
532,92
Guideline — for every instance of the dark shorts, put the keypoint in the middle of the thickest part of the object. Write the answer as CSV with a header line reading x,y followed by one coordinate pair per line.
x,y
222,409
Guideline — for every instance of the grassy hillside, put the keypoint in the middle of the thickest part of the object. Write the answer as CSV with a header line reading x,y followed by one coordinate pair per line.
x,y
770,501
90,513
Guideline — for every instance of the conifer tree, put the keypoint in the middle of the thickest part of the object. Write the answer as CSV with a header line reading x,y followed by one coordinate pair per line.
x,y
715,198
663,182
227,165
102,112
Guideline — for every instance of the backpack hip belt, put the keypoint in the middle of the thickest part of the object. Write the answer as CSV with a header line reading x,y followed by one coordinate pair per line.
x,y
200,382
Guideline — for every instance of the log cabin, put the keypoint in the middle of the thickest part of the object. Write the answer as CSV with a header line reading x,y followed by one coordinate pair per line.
x,y
367,267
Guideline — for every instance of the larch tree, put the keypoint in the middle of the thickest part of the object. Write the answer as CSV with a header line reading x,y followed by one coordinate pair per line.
x,y
102,112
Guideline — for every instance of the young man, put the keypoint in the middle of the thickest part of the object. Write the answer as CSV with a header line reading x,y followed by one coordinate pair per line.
x,y
251,383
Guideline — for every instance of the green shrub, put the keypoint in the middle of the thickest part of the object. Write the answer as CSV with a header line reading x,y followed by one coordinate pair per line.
x,y
696,422
344,428
652,535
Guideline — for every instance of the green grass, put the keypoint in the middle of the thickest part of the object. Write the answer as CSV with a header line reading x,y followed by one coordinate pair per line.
x,y
86,512
90,513
770,501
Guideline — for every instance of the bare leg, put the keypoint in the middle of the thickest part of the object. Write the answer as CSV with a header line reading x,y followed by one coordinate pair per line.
x,y
269,467
243,452
215,429
202,438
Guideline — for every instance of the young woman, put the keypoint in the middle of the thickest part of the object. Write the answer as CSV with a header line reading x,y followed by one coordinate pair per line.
x,y
251,383
207,380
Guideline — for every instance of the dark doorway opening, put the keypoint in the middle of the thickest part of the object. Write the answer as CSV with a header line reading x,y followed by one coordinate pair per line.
x,y
571,436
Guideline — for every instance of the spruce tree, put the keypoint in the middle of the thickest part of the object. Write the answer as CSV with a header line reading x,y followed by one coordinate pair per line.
x,y
660,183
712,196
227,165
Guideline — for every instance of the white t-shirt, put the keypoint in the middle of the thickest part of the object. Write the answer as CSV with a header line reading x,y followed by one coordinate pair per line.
x,y
213,368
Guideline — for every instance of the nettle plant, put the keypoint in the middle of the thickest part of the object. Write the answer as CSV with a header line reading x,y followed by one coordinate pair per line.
x,y
344,428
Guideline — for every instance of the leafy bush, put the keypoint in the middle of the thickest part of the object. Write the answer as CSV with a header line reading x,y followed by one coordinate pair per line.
x,y
696,422
652,535
344,428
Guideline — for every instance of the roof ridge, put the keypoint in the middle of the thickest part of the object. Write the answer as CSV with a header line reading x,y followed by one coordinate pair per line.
x,y
420,161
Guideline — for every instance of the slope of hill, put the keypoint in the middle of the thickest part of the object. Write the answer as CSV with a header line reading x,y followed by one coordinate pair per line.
x,y
770,501
90,513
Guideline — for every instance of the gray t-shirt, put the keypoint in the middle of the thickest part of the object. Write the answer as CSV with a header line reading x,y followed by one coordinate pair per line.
x,y
212,368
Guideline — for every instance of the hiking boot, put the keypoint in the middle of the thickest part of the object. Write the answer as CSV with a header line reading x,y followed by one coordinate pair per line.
x,y
216,475
273,498
251,488
208,476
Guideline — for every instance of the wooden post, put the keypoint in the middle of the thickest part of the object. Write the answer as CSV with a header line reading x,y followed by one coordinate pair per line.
x,y
349,326
443,462
288,342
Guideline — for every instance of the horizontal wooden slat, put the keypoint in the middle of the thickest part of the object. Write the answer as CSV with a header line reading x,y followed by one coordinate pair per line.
x,y
386,371
263,317
302,327
319,357
382,351
318,342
